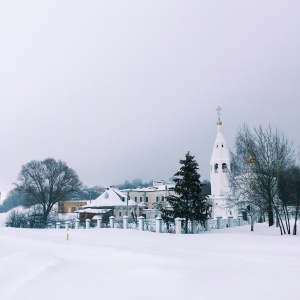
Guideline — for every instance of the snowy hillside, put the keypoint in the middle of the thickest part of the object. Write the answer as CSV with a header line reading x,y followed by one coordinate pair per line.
x,y
231,263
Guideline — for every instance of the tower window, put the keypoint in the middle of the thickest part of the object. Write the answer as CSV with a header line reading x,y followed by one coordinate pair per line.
x,y
224,168
216,167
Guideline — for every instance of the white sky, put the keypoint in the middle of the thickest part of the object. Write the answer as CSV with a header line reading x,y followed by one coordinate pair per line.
x,y
231,263
123,89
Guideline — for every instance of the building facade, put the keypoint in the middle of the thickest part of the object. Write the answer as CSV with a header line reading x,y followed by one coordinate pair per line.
x,y
70,206
149,196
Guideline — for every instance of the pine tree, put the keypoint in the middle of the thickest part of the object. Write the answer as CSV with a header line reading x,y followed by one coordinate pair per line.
x,y
188,202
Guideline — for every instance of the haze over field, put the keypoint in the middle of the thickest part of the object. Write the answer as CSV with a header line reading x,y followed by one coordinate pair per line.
x,y
123,89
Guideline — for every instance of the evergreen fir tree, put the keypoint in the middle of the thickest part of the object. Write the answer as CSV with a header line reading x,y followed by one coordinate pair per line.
x,y
188,202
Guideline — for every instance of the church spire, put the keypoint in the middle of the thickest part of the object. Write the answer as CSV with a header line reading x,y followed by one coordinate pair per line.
x,y
219,162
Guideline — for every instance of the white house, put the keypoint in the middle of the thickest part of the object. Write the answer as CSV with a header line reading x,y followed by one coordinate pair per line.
x,y
111,202
147,197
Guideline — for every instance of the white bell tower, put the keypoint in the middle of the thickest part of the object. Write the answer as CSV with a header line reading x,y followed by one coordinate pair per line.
x,y
219,163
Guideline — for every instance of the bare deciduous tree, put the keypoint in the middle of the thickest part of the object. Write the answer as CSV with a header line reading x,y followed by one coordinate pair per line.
x,y
261,157
47,182
289,194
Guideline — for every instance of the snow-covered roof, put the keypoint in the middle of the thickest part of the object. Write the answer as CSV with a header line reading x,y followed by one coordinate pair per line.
x,y
154,188
76,200
111,197
93,210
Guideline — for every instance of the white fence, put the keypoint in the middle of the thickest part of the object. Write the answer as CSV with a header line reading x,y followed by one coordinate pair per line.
x,y
158,225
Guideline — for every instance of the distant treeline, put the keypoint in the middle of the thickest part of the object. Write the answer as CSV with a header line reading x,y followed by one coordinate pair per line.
x,y
16,198
135,183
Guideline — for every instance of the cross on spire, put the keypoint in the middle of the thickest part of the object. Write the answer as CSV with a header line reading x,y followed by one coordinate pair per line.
x,y
219,111
219,115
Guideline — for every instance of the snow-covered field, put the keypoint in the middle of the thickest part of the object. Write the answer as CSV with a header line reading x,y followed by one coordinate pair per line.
x,y
231,263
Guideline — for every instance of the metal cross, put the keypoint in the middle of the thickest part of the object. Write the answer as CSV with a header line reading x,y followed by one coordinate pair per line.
x,y
219,111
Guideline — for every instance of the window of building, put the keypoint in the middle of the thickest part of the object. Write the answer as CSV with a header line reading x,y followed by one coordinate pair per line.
x,y
224,168
146,199
141,199
120,214
216,167
157,198
162,198
135,199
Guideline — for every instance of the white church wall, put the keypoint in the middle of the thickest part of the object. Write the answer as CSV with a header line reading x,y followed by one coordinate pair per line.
x,y
219,167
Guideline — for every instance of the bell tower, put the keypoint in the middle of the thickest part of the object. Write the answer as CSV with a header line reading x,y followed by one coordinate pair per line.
x,y
219,163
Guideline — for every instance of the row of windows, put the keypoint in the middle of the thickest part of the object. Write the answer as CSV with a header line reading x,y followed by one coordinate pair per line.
x,y
224,168
162,198
221,146
141,199
147,199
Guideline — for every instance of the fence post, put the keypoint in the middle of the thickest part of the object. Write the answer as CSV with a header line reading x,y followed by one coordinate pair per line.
x,y
57,225
112,221
194,226
49,225
141,223
77,223
67,224
178,225
219,222
230,221
99,221
125,222
241,221
87,223
207,225
158,222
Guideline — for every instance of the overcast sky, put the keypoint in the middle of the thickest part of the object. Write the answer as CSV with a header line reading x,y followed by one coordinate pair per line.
x,y
123,89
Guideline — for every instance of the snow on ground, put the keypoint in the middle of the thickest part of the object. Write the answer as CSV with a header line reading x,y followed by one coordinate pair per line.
x,y
231,263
